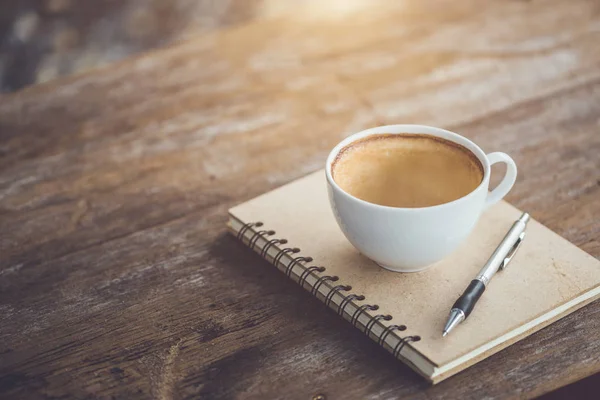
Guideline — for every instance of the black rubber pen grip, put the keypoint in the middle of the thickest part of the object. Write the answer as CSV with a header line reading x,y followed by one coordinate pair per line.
x,y
466,302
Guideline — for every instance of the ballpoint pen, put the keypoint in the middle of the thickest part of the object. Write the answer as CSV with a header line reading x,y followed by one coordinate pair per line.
x,y
498,261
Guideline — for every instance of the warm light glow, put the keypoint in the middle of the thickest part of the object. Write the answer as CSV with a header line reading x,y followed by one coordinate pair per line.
x,y
315,9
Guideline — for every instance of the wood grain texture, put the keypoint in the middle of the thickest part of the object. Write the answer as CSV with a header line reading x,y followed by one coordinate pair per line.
x,y
117,277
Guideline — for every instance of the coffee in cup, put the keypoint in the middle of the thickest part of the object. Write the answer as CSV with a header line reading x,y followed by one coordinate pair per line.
x,y
407,170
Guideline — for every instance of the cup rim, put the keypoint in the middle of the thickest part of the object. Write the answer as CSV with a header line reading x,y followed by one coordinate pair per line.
x,y
413,130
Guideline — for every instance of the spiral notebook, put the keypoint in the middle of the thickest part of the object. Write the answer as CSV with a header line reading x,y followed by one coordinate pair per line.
x,y
293,228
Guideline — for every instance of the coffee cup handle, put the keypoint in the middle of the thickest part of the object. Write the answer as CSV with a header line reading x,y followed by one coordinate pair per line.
x,y
507,182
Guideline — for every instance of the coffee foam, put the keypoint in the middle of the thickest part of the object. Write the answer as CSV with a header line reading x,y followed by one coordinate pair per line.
x,y
407,170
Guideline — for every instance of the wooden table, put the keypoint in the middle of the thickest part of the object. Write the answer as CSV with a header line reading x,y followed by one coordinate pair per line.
x,y
117,276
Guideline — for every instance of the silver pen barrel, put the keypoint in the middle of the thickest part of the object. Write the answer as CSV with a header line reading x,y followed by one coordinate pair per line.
x,y
503,253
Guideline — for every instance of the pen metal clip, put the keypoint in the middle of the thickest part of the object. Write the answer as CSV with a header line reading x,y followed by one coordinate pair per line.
x,y
512,251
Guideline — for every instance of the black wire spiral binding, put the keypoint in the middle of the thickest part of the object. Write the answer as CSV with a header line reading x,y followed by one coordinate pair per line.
x,y
241,234
389,330
271,243
290,267
346,299
320,281
307,272
361,310
282,252
257,235
402,342
335,290
374,320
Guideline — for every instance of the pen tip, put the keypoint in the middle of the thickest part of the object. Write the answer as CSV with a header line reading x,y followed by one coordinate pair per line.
x,y
444,333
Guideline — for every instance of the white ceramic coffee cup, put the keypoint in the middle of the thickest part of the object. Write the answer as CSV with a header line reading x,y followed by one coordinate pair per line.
x,y
411,239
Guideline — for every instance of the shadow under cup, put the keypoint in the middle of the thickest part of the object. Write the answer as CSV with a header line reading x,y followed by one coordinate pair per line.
x,y
412,239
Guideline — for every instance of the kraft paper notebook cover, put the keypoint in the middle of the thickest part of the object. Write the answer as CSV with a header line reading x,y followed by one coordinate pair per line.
x,y
548,279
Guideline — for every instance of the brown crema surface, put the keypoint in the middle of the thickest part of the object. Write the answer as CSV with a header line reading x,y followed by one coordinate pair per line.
x,y
407,170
